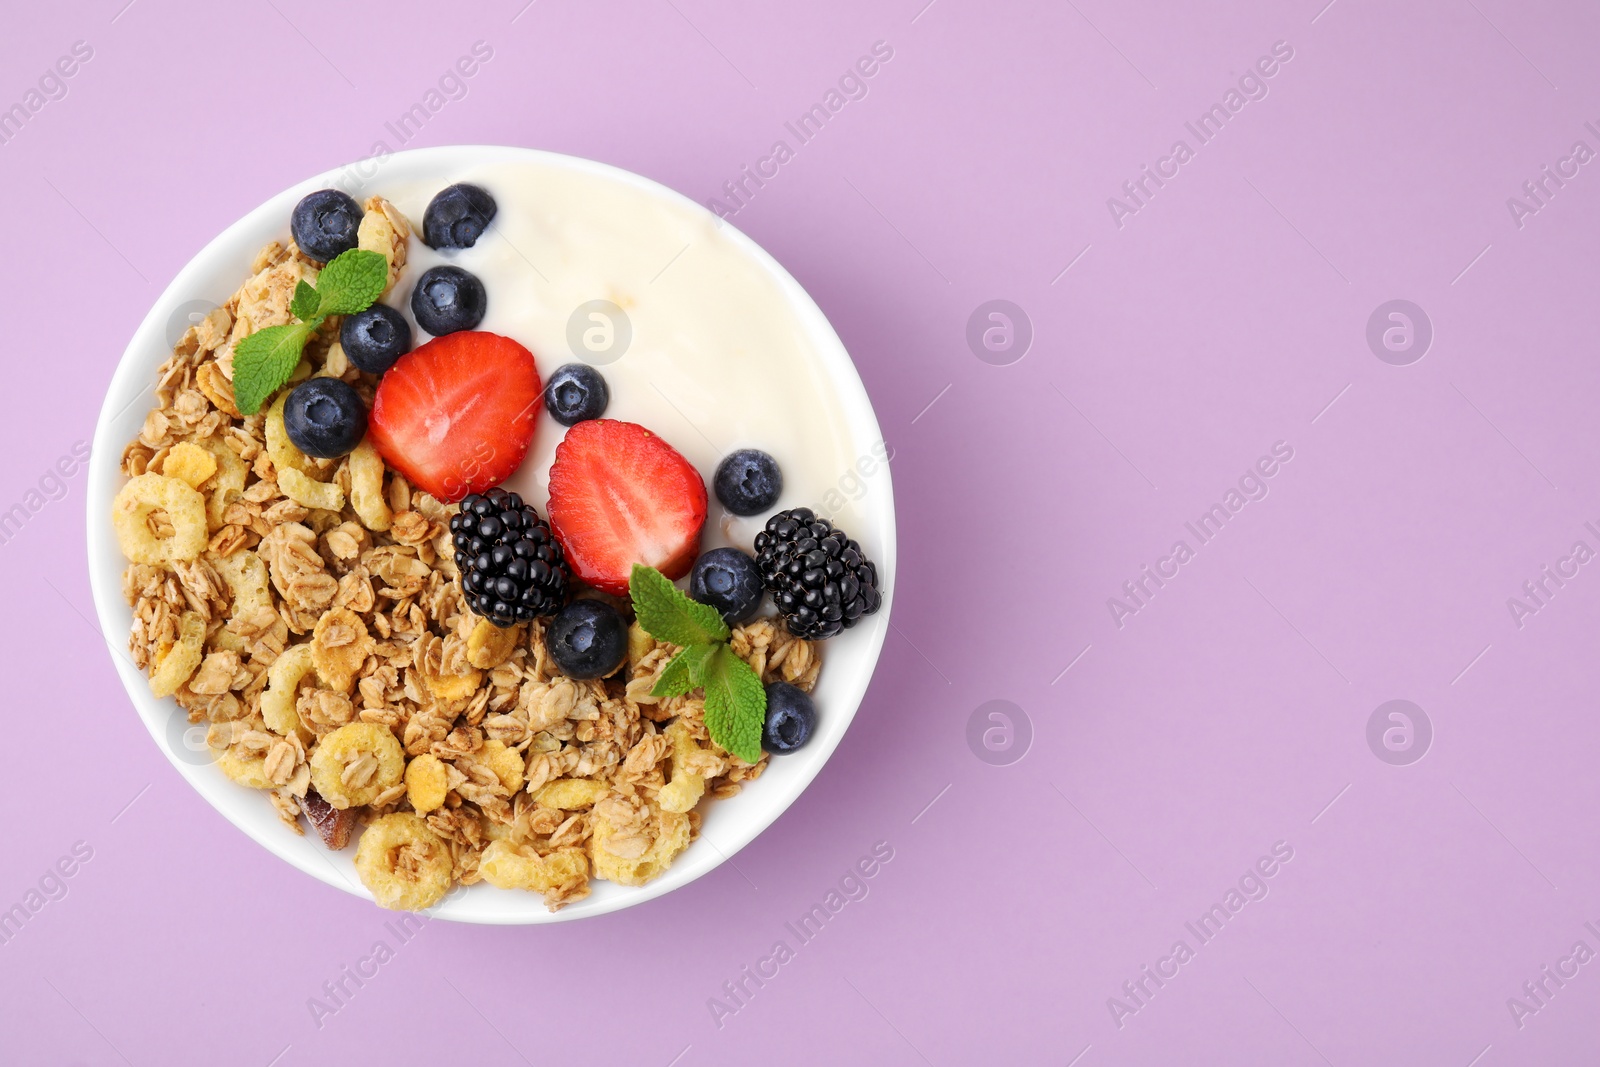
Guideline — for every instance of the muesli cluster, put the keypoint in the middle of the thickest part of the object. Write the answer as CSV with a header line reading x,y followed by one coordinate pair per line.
x,y
389,644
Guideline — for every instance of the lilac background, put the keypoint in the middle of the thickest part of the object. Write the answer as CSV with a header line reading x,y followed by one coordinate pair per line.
x,y
1230,713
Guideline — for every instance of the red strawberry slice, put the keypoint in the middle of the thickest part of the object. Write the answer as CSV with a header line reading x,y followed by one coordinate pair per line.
x,y
620,495
456,415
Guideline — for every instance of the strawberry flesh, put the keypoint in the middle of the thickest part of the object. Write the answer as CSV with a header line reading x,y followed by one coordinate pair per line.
x,y
620,495
456,415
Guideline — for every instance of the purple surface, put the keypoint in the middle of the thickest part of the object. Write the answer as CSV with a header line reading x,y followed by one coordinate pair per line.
x,y
1227,313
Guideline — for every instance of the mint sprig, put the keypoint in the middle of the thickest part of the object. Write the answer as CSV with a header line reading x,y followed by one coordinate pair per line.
x,y
687,671
668,615
306,299
736,701
351,282
262,362
736,704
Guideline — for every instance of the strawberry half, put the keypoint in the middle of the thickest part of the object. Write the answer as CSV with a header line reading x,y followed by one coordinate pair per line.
x,y
620,495
456,415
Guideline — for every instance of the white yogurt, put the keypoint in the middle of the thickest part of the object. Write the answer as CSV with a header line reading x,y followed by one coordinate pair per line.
x,y
718,359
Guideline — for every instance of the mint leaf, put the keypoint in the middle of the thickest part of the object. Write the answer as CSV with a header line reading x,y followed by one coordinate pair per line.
x,y
735,700
263,362
668,615
304,304
674,680
736,704
697,658
686,671
351,282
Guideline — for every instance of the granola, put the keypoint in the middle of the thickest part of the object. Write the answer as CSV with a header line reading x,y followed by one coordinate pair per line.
x,y
309,612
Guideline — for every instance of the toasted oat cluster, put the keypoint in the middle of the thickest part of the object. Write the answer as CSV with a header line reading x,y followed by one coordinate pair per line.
x,y
309,611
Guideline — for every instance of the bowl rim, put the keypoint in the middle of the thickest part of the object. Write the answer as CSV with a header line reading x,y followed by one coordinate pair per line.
x,y
134,378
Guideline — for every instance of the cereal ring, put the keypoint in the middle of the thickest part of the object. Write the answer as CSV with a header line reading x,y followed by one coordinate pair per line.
x,y
571,794
282,451
686,788
509,866
403,862
283,683
246,576
366,488
228,484
181,660
185,508
355,763
246,768
225,640
669,836
326,496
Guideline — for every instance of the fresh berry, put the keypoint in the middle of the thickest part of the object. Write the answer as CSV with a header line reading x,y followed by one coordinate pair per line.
x,y
456,415
791,718
511,568
324,224
729,581
325,417
576,392
748,482
373,339
448,300
457,217
620,495
818,577
588,639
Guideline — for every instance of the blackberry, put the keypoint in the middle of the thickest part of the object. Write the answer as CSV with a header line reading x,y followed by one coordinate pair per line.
x,y
512,569
818,577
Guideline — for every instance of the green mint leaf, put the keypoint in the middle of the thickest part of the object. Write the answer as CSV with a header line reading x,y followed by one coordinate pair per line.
x,y
674,680
263,362
669,615
736,704
697,658
304,304
351,282
686,671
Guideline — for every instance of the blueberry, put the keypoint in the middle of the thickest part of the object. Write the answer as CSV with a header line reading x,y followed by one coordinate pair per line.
x,y
324,224
373,339
791,717
448,299
729,581
457,217
574,393
748,482
324,417
587,639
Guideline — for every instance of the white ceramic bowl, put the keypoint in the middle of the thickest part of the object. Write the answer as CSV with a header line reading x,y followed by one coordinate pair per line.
x,y
729,825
